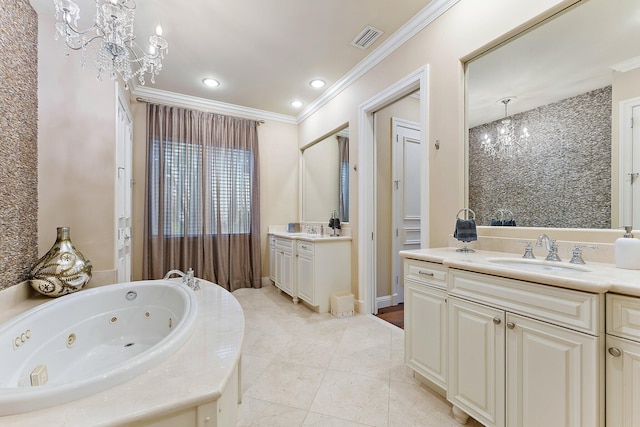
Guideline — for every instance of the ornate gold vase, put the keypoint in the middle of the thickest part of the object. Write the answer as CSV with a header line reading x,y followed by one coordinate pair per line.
x,y
62,270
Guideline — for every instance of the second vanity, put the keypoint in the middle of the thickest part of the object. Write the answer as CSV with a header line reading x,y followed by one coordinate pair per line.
x,y
310,267
517,343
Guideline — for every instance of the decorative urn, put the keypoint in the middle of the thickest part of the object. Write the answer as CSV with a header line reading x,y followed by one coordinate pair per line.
x,y
62,270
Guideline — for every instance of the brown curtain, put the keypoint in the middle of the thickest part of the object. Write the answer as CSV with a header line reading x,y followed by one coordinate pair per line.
x,y
202,207
343,190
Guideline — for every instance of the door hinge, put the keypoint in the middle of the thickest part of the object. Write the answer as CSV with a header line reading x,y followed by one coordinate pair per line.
x,y
397,233
372,235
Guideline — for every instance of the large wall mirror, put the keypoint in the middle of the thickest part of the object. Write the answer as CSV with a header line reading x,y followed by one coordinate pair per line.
x,y
325,178
546,144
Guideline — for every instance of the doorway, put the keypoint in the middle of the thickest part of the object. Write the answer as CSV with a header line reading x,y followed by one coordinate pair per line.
x,y
369,244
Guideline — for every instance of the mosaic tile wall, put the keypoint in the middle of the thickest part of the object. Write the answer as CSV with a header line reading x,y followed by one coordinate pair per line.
x,y
18,140
561,179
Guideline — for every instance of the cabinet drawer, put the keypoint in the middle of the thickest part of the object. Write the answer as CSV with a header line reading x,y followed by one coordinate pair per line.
x,y
284,244
576,310
428,273
623,316
304,248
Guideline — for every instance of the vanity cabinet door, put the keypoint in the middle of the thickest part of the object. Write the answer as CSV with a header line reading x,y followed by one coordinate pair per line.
x,y
552,375
284,265
305,278
623,382
425,326
476,382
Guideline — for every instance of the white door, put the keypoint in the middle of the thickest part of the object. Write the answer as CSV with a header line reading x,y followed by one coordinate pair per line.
x,y
405,217
124,181
552,375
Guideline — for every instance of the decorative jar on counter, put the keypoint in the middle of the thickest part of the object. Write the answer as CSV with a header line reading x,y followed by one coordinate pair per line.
x,y
62,270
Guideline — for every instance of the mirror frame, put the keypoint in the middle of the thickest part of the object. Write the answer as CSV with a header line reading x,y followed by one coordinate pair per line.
x,y
495,44
301,168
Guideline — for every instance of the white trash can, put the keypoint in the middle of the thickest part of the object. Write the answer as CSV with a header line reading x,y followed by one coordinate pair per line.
x,y
342,304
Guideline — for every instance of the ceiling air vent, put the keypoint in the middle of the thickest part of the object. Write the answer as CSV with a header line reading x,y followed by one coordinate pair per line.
x,y
366,37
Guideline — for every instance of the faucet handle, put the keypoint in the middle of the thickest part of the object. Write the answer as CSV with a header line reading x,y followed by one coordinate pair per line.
x,y
528,249
577,253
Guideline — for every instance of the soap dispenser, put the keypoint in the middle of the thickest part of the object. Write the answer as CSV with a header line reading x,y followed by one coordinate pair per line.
x,y
627,251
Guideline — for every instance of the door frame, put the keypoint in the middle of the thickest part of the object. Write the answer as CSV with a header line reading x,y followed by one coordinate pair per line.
x,y
418,80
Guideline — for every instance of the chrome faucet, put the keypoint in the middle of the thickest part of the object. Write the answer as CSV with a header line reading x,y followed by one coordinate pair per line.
x,y
551,246
187,278
577,253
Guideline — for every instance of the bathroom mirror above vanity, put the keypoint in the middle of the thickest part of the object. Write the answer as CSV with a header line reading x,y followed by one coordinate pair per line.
x,y
325,178
564,86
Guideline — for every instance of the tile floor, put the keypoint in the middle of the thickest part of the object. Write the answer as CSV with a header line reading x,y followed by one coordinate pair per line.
x,y
301,368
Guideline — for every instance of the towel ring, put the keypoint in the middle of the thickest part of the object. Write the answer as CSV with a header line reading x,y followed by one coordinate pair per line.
x,y
467,212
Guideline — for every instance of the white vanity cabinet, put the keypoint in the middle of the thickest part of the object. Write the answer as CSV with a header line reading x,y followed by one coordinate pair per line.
x,y
623,361
523,354
322,269
425,320
284,278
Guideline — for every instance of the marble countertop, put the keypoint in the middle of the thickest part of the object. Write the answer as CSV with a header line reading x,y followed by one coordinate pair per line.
x,y
599,278
195,374
310,237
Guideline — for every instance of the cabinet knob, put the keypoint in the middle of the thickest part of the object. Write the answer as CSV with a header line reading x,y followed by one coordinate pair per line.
x,y
615,352
497,320
511,325
425,273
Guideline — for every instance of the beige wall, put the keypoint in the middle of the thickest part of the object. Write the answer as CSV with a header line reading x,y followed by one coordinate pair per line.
x,y
76,153
466,29
407,108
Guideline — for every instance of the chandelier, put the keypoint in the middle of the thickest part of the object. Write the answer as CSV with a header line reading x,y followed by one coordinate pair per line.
x,y
506,143
116,51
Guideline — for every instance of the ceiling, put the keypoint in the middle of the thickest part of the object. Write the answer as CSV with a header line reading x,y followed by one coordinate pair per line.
x,y
571,54
264,53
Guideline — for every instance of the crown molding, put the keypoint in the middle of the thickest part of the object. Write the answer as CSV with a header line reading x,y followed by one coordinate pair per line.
x,y
628,65
412,27
173,98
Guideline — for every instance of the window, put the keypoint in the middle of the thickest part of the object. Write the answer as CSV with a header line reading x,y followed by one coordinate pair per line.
x,y
202,189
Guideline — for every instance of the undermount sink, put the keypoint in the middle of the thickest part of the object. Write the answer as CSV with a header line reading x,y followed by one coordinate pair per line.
x,y
538,265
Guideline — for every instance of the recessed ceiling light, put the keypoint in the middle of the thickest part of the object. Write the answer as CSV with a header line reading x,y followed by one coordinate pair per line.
x,y
210,82
296,104
317,83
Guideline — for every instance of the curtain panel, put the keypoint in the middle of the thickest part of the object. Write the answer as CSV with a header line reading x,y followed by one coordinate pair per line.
x,y
343,181
202,192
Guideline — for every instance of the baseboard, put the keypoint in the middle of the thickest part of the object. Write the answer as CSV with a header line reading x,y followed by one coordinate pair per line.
x,y
385,301
266,281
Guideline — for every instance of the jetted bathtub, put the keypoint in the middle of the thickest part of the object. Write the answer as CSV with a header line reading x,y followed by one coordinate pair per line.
x,y
90,341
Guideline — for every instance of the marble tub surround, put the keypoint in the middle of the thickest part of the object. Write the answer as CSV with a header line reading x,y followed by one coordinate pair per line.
x,y
196,374
302,368
600,278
